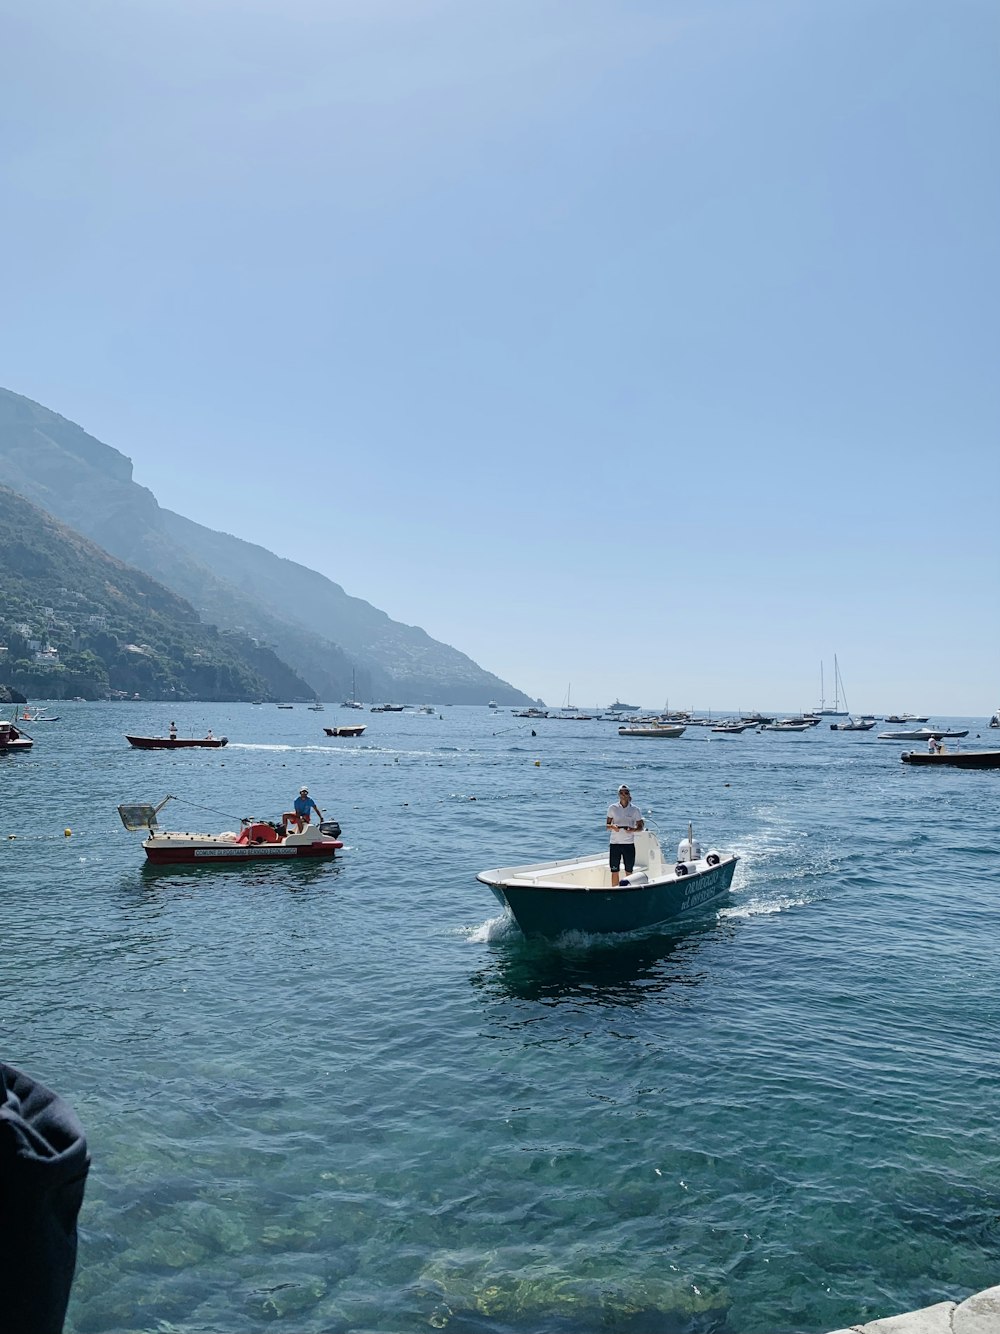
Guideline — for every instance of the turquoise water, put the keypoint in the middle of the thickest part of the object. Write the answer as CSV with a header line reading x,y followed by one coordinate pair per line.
x,y
351,1097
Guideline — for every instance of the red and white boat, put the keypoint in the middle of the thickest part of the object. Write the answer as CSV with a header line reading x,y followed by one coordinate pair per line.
x,y
255,840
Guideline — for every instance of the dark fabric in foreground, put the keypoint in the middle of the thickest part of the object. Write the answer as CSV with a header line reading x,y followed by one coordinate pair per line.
x,y
43,1169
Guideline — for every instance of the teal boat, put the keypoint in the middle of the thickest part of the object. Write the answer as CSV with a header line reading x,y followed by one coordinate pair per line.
x,y
547,899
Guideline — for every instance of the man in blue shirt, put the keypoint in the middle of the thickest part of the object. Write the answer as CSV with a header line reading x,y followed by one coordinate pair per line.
x,y
303,804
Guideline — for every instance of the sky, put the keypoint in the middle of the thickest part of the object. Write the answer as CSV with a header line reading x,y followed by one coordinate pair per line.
x,y
642,348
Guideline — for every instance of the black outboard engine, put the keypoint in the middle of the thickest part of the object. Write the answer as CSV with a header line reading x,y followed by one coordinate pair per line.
x,y
329,828
43,1169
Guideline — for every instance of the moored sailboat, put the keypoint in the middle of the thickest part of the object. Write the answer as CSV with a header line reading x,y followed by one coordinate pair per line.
x,y
861,724
353,702
836,711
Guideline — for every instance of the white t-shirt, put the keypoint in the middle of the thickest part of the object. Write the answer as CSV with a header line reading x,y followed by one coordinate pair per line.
x,y
620,815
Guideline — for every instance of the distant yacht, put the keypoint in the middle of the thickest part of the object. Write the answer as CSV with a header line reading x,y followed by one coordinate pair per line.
x,y
619,707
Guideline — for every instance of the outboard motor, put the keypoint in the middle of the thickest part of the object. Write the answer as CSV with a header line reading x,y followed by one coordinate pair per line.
x,y
688,849
329,828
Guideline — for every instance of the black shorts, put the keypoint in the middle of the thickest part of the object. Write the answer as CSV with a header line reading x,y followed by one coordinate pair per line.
x,y
619,852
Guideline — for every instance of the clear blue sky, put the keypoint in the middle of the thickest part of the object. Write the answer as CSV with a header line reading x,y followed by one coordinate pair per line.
x,y
650,347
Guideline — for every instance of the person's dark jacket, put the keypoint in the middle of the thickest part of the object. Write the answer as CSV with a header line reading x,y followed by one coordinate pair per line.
x,y
43,1169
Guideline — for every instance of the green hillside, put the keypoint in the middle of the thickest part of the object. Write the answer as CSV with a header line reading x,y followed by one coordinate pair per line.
x,y
76,621
330,637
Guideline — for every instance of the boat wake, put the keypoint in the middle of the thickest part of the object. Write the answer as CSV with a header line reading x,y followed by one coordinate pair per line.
x,y
763,907
260,745
501,927
765,859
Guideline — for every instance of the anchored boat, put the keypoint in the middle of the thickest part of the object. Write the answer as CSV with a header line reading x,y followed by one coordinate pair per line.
x,y
923,734
347,729
547,899
652,730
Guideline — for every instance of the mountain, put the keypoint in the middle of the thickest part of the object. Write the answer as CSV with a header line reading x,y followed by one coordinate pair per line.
x,y
323,632
77,621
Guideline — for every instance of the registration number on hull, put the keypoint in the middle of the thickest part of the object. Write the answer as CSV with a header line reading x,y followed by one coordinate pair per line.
x,y
709,889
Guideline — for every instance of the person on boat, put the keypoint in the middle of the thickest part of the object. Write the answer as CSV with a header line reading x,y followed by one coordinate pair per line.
x,y
303,804
934,746
623,823
209,736
173,731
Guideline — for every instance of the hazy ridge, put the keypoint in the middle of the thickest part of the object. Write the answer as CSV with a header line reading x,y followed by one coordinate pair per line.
x,y
323,633
76,621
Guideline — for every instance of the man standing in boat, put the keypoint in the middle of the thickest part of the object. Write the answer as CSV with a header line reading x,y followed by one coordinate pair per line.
x,y
303,804
623,823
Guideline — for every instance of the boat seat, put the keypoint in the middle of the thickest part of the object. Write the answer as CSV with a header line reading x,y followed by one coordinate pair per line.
x,y
547,876
258,833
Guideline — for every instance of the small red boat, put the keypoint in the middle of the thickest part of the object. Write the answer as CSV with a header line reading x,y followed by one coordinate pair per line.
x,y
349,729
256,840
176,742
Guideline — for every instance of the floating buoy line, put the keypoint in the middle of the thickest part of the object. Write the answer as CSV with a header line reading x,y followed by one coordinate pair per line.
x,y
68,832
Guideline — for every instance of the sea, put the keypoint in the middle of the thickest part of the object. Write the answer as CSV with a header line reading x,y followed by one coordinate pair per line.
x,y
351,1096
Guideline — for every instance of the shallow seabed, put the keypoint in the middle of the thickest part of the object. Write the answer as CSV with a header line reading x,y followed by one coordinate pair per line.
x,y
352,1097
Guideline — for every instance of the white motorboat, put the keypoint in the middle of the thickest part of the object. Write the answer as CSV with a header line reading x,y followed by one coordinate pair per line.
x,y
653,730
923,734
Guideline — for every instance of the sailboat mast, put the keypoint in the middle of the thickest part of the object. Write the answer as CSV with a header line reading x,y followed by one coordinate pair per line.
x,y
841,684
836,683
